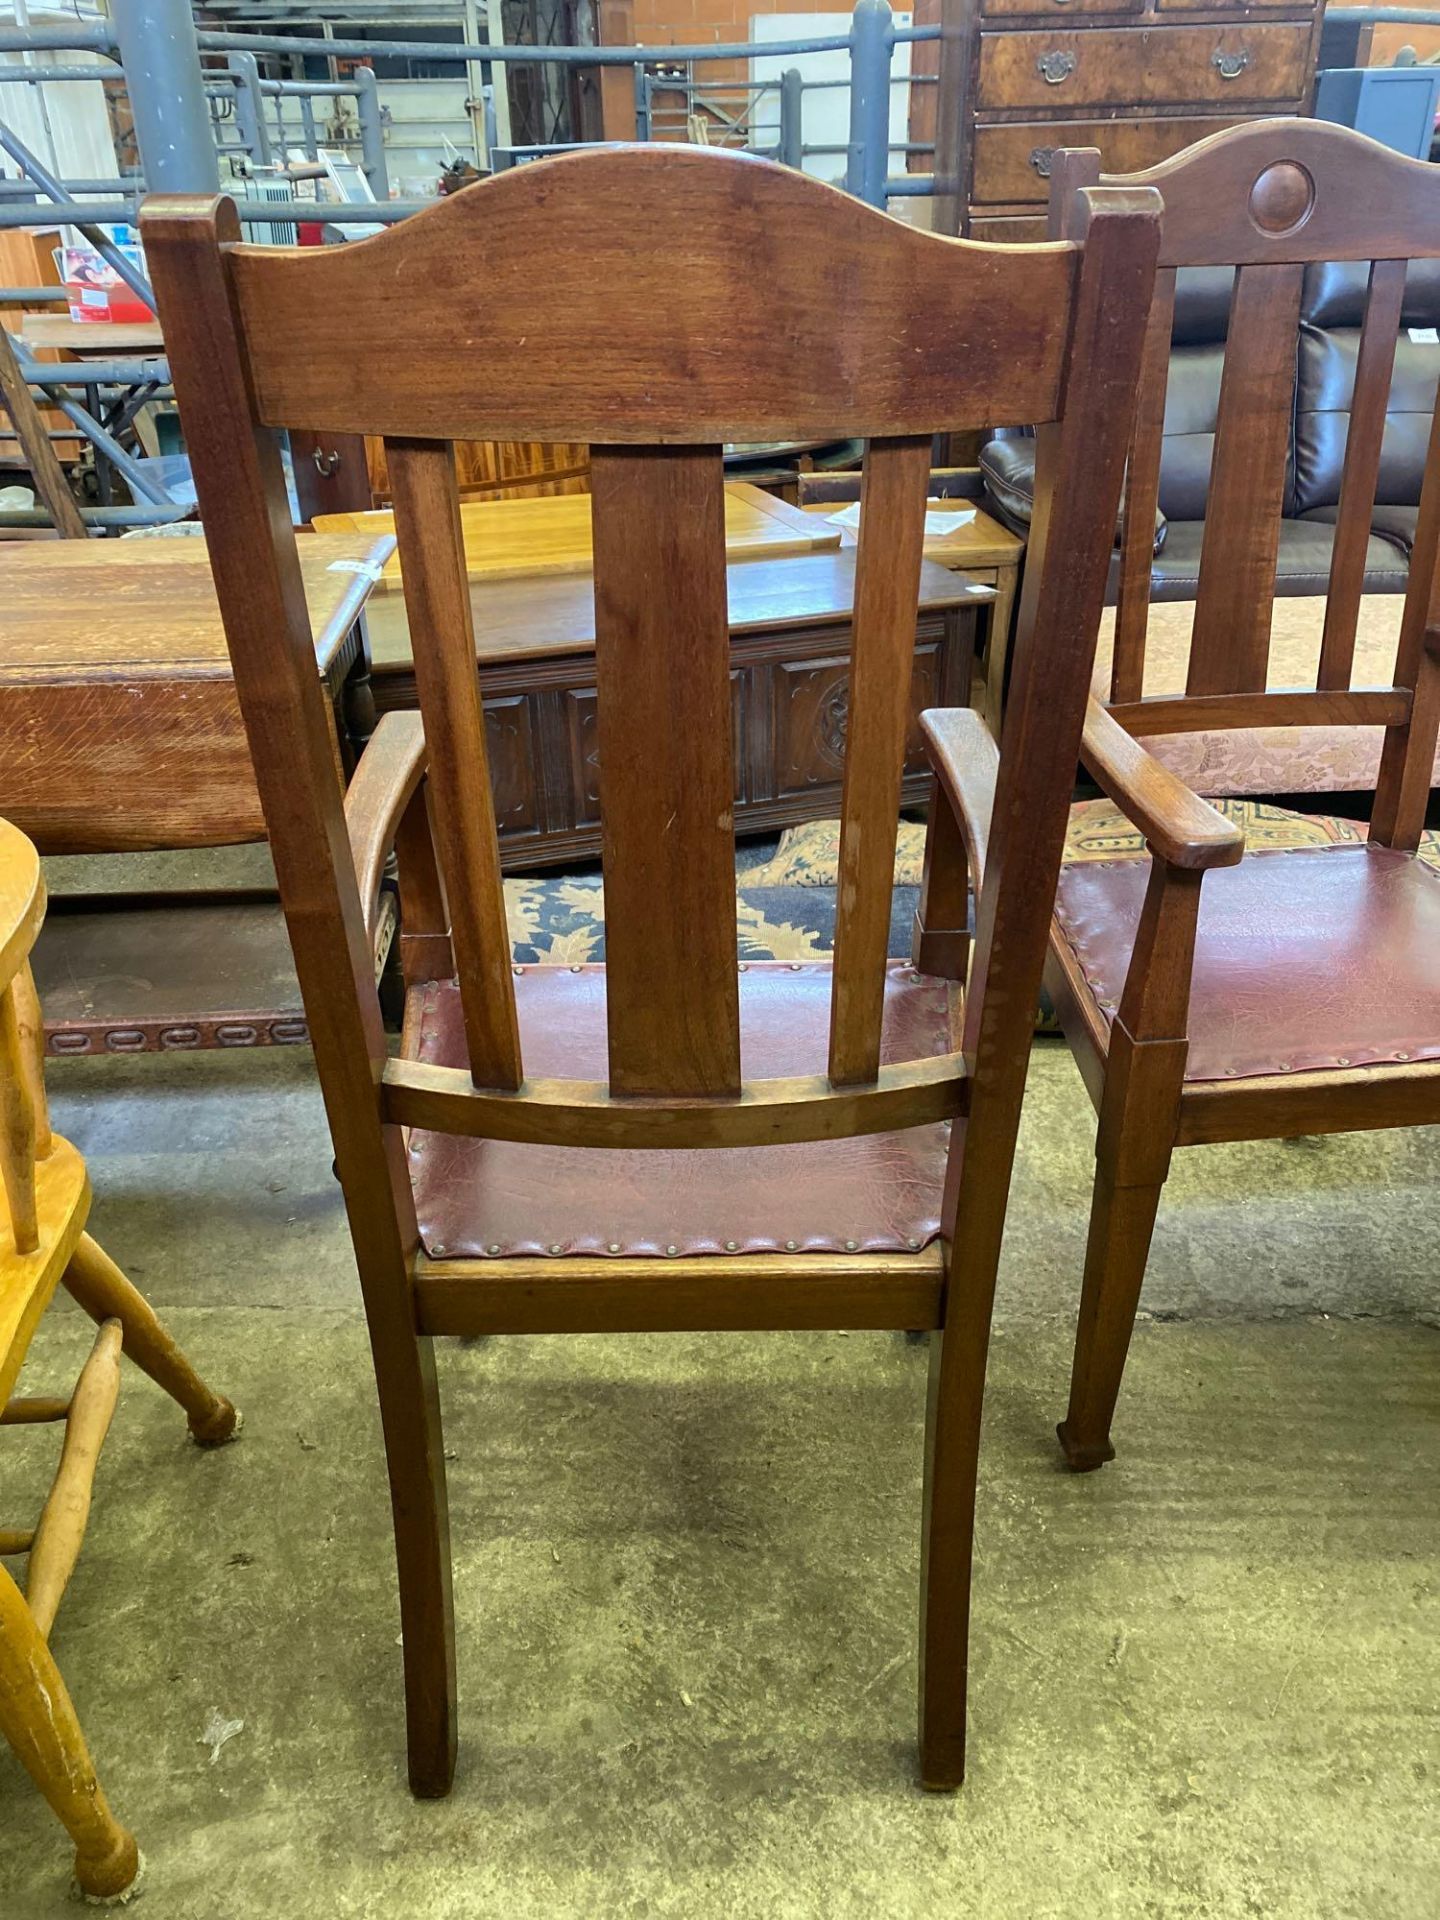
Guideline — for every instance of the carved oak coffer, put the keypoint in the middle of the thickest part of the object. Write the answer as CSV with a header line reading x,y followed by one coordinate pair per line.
x,y
789,683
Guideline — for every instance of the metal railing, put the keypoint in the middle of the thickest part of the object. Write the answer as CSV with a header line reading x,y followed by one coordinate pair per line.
x,y
180,116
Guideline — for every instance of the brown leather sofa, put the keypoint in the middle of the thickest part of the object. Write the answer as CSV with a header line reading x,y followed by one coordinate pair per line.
x,y
1326,347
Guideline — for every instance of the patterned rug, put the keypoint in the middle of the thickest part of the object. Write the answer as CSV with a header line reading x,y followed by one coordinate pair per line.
x,y
785,886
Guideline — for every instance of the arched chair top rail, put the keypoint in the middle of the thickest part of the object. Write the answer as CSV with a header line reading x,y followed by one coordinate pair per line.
x,y
1287,190
528,312
22,900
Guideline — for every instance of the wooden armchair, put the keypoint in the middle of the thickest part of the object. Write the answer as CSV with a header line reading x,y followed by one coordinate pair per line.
x,y
43,1244
1299,994
811,1186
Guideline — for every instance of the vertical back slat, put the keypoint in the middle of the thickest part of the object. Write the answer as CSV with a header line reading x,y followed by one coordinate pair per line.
x,y
1142,497
882,655
1402,789
1373,370
1230,647
17,1127
667,779
437,604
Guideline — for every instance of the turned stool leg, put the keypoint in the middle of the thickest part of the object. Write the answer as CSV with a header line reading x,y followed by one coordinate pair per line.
x,y
38,1720
102,1290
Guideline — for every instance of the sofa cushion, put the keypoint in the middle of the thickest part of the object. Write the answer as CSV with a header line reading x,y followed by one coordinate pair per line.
x,y
1270,759
1302,564
1322,418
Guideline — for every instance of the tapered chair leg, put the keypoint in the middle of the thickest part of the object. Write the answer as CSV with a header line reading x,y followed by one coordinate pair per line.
x,y
415,1456
953,1406
102,1290
1122,1219
38,1720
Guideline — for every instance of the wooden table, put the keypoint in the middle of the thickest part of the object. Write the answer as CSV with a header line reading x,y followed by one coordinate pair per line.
x,y
987,552
120,731
514,539
107,337
790,638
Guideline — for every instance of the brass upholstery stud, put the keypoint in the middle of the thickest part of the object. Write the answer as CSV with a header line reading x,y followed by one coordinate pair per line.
x,y
790,1245
557,1248
672,1248
732,1246
614,1247
851,1246
494,1249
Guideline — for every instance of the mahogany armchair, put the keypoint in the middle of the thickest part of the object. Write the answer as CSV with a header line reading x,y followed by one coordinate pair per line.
x,y
776,1153
1296,991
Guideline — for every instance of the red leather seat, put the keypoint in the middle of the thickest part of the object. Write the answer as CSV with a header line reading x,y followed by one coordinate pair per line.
x,y
1305,957
875,1193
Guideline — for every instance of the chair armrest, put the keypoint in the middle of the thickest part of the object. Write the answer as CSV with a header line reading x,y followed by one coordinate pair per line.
x,y
1183,829
966,760
391,768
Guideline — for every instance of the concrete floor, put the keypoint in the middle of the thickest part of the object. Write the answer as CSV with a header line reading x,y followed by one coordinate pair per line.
x,y
686,1568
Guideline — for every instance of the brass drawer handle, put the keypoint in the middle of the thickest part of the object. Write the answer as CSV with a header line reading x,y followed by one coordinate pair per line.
x,y
1229,66
1053,68
1040,158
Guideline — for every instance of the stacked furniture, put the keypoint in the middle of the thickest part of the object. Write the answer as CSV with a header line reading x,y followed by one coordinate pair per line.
x,y
1139,79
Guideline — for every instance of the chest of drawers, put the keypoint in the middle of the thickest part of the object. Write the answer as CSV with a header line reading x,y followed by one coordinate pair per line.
x,y
1139,79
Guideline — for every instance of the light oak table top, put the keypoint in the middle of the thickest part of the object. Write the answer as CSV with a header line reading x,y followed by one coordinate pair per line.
x,y
112,609
91,336
528,538
983,542
555,614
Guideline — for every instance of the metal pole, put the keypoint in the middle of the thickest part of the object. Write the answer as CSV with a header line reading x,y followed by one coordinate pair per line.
x,y
372,133
102,243
307,122
642,104
871,28
250,106
792,107
492,131
161,58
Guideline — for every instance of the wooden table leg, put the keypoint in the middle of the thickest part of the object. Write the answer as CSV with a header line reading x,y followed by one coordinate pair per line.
x,y
37,1718
997,651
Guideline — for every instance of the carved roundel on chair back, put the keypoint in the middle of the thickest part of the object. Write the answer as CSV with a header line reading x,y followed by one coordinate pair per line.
x,y
1283,198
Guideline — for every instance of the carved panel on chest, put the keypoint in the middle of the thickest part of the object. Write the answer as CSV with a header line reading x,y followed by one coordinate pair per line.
x,y
789,703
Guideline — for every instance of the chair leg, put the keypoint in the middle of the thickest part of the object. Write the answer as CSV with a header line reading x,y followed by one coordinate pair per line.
x,y
415,1455
95,1281
37,1718
952,1455
1122,1219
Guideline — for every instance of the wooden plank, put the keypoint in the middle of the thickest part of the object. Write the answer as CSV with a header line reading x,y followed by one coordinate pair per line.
x,y
1278,707
1361,474
34,438
583,1113
762,1292
550,534
887,583
102,608
1231,640
623,348
437,598
667,779
1142,496
1402,788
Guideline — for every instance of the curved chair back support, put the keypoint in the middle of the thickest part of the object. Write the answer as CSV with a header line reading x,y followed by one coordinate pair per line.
x,y
1270,199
